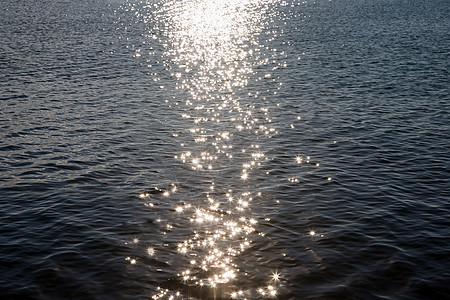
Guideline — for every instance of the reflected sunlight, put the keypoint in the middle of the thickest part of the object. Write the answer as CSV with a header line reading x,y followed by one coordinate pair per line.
x,y
212,49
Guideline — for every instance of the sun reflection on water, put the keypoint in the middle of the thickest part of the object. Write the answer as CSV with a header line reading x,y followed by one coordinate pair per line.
x,y
212,50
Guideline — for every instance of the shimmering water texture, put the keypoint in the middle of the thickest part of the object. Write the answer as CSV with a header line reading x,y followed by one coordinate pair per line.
x,y
213,50
206,149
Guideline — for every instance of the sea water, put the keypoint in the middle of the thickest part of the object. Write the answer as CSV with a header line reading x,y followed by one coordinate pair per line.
x,y
209,149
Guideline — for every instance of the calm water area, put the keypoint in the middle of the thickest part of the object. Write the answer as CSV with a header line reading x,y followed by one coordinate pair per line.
x,y
224,149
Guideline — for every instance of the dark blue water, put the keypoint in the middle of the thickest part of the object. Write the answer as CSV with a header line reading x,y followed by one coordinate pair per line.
x,y
212,149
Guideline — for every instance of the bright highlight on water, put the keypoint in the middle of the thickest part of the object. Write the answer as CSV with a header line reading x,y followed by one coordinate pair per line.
x,y
213,50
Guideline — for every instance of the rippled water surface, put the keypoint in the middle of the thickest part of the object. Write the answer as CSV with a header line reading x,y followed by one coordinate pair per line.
x,y
239,149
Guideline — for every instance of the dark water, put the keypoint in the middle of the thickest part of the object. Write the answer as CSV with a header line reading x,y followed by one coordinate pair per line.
x,y
224,149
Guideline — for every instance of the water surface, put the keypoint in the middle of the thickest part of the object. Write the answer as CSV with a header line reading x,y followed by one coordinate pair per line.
x,y
224,149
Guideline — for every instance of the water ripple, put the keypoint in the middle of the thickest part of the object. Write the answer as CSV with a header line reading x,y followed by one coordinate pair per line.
x,y
295,148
